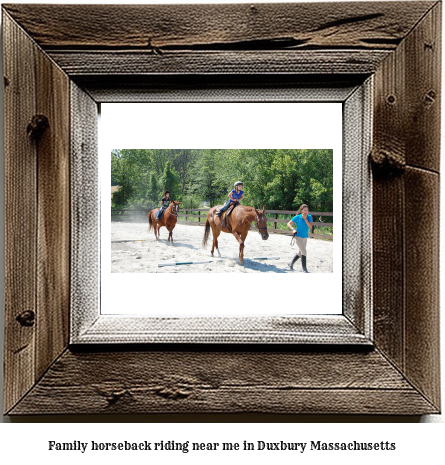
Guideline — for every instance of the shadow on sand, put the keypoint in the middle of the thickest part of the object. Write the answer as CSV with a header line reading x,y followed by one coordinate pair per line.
x,y
264,267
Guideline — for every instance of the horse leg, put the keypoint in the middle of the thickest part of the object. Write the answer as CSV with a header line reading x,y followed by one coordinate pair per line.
x,y
215,233
170,235
241,247
216,244
155,228
243,238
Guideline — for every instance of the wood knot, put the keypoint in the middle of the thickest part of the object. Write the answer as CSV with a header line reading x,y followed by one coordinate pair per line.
x,y
37,126
26,318
387,163
391,99
429,46
113,396
5,81
172,393
430,97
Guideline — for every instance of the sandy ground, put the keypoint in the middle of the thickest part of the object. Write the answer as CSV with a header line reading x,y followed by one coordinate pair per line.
x,y
143,257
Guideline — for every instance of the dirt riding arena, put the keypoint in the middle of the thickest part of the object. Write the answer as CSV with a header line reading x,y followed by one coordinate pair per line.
x,y
144,256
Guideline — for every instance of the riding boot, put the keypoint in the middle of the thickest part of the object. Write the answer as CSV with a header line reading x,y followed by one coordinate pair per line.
x,y
291,264
303,263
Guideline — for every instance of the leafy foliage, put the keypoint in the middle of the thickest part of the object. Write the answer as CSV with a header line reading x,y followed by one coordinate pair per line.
x,y
281,179
170,182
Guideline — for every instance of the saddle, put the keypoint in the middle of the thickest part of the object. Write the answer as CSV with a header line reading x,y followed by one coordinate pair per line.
x,y
227,213
160,214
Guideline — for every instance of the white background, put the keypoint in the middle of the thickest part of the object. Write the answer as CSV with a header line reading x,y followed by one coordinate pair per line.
x,y
221,125
27,443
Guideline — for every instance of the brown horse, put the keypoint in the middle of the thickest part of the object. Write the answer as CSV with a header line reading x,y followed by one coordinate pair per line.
x,y
238,224
168,220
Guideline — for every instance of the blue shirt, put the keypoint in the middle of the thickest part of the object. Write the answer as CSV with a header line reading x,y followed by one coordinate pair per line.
x,y
236,196
301,226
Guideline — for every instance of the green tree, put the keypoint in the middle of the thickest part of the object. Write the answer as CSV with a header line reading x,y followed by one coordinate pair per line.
x,y
153,191
123,174
170,181
184,161
207,185
281,179
190,201
316,180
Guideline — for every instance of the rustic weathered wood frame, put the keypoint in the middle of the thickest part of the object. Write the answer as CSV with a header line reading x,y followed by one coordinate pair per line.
x,y
67,59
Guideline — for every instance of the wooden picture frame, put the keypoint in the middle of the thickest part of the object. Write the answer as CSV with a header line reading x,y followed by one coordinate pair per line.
x,y
67,62
91,319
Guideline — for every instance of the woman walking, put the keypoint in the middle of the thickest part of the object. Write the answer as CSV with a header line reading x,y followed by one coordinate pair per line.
x,y
303,223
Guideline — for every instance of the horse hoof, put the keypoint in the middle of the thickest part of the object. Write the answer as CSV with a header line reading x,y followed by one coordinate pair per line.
x,y
241,262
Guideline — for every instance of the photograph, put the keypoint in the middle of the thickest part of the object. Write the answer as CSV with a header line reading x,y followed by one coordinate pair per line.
x,y
264,215
160,196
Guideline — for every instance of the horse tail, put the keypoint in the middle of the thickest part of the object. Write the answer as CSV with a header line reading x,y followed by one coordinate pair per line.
x,y
150,222
206,234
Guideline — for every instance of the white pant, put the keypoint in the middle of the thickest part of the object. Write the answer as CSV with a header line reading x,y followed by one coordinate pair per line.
x,y
301,242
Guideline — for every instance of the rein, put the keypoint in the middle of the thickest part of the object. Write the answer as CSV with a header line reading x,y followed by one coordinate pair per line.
x,y
257,224
256,221
175,214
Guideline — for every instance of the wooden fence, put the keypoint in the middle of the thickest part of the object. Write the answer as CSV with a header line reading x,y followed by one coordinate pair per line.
x,y
187,216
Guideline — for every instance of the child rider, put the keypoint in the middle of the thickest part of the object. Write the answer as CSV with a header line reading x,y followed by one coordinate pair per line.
x,y
235,196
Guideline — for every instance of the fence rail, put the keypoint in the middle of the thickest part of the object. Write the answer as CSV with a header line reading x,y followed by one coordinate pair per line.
x,y
132,214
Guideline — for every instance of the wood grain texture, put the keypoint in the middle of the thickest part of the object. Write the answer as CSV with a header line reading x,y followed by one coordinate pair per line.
x,y
407,133
422,323
423,91
218,88
219,381
356,209
78,63
398,42
84,204
389,145
159,27
20,213
407,114
388,269
108,330
53,159
113,329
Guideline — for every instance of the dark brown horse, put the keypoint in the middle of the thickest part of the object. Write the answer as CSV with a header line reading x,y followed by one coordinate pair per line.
x,y
168,220
238,224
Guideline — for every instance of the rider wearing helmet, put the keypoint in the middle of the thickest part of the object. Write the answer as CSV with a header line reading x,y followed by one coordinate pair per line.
x,y
235,196
165,202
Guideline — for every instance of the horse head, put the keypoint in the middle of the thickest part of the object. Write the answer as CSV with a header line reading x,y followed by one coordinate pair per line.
x,y
261,223
174,206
